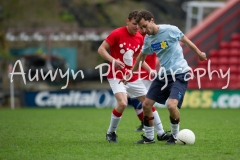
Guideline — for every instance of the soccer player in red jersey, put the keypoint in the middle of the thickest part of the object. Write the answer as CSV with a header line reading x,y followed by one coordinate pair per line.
x,y
124,43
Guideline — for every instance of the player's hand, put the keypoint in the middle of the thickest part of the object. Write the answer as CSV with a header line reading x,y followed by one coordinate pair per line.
x,y
118,64
125,79
153,73
202,56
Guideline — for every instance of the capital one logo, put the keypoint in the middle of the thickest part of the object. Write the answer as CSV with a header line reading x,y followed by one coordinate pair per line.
x,y
95,98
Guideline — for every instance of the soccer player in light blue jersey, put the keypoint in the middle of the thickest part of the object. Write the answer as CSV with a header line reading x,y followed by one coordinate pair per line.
x,y
172,80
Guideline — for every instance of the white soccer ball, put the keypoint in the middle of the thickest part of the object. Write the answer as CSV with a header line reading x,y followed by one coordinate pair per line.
x,y
185,136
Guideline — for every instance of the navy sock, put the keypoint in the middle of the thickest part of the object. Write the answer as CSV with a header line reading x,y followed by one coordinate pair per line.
x,y
135,103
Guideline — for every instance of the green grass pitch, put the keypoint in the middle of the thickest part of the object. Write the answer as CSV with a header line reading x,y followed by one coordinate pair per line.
x,y
79,133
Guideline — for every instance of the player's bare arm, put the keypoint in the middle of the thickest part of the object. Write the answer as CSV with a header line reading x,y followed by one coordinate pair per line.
x,y
201,55
146,67
149,69
141,57
103,52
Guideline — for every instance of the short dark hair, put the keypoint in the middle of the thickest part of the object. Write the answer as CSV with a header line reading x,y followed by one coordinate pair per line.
x,y
133,15
146,15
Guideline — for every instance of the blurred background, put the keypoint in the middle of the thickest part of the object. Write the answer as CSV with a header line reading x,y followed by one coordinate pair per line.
x,y
65,35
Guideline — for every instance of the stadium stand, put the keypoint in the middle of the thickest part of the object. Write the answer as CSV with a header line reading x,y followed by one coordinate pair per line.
x,y
219,36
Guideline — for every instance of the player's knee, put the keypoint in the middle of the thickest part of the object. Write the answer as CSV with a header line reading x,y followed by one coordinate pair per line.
x,y
122,104
146,106
171,105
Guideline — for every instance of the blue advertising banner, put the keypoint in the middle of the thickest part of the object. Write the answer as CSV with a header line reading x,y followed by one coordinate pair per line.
x,y
105,98
71,98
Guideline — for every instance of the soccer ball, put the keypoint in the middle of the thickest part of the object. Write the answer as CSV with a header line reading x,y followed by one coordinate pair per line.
x,y
186,136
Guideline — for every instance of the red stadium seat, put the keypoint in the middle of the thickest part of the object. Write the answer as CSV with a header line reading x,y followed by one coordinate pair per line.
x,y
205,82
224,45
234,52
234,69
215,84
193,68
213,53
214,61
223,61
214,73
205,79
235,36
214,67
202,64
224,68
233,78
233,81
238,85
223,52
235,45
232,85
233,61
221,83
193,84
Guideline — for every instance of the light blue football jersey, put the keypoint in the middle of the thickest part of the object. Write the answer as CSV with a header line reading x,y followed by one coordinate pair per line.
x,y
168,49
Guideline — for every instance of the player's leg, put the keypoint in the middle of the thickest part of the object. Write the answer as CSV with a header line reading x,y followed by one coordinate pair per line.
x,y
174,119
119,91
137,89
161,134
137,105
175,100
148,122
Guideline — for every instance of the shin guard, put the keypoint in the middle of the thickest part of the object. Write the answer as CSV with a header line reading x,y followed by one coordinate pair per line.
x,y
146,120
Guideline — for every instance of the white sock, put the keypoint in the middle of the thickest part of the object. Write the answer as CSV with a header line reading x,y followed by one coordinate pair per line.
x,y
158,123
113,123
149,131
138,111
175,129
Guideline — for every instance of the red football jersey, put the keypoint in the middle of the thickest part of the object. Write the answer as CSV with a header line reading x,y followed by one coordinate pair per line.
x,y
124,46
